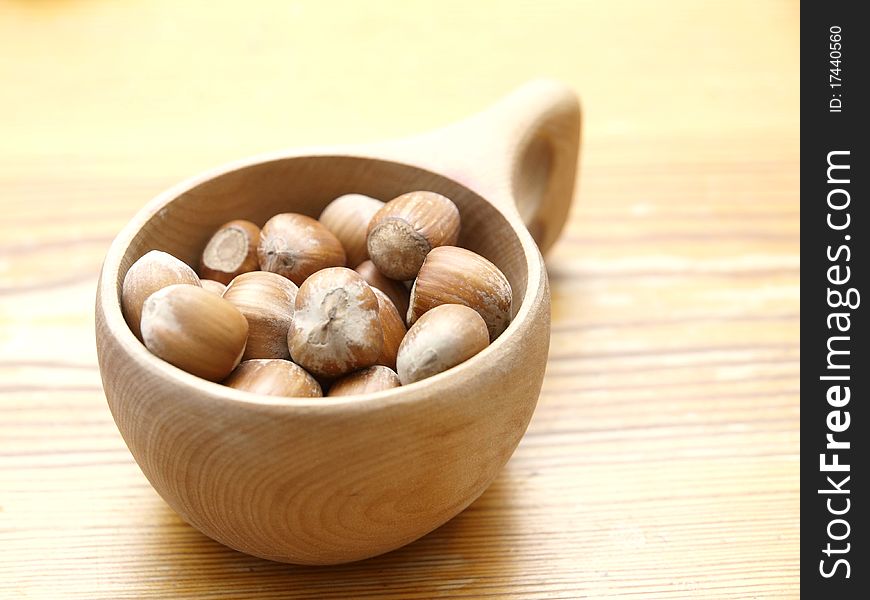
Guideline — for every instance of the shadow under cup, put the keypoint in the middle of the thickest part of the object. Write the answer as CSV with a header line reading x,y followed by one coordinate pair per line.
x,y
305,185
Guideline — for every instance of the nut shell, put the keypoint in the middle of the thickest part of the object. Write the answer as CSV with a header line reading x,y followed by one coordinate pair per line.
x,y
395,290
194,330
403,232
216,287
348,217
267,300
393,327
336,326
274,377
296,246
452,275
153,271
442,338
371,379
231,251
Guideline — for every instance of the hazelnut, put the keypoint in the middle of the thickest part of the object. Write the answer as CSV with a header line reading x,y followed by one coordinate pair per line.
x,y
371,379
348,217
153,271
452,275
442,338
393,327
336,326
403,232
395,290
274,377
266,299
194,330
231,251
296,246
216,287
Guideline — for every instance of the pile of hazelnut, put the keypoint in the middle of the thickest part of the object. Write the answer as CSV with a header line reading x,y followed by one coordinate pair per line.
x,y
275,310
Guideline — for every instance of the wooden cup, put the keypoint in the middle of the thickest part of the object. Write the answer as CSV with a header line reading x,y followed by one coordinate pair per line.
x,y
332,480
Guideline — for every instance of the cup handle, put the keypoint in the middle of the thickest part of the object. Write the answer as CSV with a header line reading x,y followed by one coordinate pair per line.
x,y
520,154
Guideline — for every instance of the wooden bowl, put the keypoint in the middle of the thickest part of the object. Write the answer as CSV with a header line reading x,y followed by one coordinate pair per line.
x,y
332,480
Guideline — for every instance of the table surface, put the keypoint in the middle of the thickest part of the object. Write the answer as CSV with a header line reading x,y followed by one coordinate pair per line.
x,y
662,461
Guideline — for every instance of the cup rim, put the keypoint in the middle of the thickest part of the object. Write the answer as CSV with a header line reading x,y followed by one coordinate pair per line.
x,y
108,297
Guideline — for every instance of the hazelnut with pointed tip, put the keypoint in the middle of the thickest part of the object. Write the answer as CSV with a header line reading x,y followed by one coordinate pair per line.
x,y
442,338
194,330
403,232
336,326
266,299
452,275
231,251
153,271
274,377
296,246
371,379
348,217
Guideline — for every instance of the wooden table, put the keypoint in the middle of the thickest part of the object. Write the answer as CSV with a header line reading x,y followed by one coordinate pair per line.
x,y
663,457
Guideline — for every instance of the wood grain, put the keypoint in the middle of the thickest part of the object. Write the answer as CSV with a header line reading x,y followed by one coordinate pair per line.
x,y
662,460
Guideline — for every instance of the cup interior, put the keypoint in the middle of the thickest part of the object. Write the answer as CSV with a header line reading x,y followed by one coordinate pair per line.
x,y
256,192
